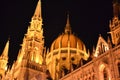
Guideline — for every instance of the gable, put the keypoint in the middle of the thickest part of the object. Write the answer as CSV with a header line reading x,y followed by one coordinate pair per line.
x,y
101,47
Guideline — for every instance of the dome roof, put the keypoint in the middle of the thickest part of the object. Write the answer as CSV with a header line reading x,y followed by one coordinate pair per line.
x,y
67,39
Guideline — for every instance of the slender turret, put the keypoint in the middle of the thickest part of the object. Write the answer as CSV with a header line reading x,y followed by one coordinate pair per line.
x,y
4,60
68,27
116,8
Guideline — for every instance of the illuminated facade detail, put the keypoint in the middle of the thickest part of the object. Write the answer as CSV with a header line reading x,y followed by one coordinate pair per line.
x,y
68,58
115,24
102,46
115,30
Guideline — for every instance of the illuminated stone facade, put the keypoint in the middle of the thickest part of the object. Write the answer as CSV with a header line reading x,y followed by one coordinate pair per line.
x,y
68,58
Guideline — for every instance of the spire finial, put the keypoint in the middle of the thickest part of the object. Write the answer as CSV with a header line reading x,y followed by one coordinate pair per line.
x,y
99,35
5,51
38,10
114,1
68,28
116,7
109,42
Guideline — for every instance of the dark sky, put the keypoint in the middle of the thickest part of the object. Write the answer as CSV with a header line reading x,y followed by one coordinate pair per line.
x,y
88,19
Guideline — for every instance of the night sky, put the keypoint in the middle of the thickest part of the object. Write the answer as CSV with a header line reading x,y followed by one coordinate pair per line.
x,y
88,19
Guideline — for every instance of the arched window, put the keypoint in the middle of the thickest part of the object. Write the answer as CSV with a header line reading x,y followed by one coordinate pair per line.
x,y
93,77
119,68
0,77
105,74
65,70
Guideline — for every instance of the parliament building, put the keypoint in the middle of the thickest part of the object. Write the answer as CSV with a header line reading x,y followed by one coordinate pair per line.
x,y
67,58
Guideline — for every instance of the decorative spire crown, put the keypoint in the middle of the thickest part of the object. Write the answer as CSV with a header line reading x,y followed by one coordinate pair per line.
x,y
116,8
115,1
5,51
68,28
37,13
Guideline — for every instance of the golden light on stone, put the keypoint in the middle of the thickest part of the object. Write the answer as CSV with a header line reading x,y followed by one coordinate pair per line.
x,y
6,68
67,58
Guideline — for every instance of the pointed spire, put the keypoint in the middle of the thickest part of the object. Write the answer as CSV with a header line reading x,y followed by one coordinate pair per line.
x,y
116,8
68,28
93,49
38,10
88,53
109,42
5,51
115,1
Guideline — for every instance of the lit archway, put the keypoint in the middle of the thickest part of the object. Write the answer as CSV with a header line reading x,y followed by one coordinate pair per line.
x,y
104,72
0,77
118,67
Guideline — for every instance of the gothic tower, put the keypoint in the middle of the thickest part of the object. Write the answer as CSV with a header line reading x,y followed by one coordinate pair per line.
x,y
4,60
115,23
34,40
29,64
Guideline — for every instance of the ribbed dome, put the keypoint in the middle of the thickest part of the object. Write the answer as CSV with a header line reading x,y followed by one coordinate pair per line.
x,y
67,39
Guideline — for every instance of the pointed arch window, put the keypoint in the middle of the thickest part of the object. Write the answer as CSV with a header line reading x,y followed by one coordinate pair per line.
x,y
119,68
105,74
0,77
